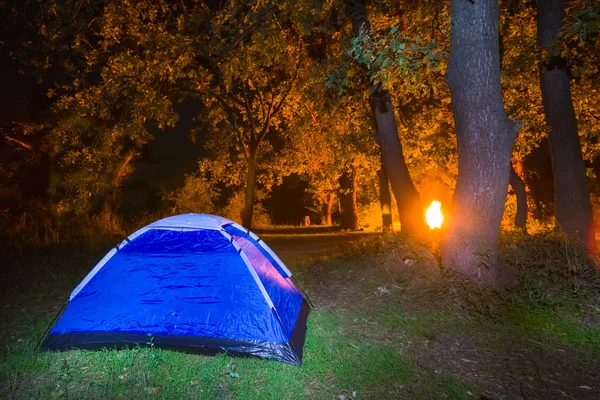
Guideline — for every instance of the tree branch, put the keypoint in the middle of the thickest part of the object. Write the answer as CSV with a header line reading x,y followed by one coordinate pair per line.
x,y
232,119
245,33
262,103
278,107
212,64
120,172
231,115
287,92
250,114
235,100
312,115
267,122
19,142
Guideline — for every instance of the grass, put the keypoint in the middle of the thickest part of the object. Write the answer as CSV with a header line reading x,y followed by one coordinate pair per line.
x,y
338,361
409,341
559,325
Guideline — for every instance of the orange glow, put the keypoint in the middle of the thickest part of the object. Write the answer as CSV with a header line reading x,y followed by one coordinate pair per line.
x,y
434,216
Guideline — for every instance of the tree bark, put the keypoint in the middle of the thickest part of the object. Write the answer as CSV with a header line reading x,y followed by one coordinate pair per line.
x,y
250,193
327,208
485,137
385,199
518,186
572,207
348,205
408,199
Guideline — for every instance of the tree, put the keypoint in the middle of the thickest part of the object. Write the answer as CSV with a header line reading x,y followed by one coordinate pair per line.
x,y
518,187
407,197
573,210
385,199
330,145
127,64
347,195
521,93
485,138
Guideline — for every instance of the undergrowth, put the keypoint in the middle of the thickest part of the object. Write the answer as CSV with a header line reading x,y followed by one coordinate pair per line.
x,y
38,228
551,269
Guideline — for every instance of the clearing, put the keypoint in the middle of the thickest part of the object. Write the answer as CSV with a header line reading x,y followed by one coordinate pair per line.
x,y
383,327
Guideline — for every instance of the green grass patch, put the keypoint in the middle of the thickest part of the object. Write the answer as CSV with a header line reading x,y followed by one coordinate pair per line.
x,y
418,325
559,325
457,390
337,361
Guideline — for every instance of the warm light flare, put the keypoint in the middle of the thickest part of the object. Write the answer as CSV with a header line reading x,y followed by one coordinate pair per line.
x,y
434,216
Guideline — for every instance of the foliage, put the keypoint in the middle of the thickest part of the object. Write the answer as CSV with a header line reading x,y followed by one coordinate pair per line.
x,y
124,65
520,76
409,58
560,262
40,226
411,62
329,134
234,207
584,22
197,195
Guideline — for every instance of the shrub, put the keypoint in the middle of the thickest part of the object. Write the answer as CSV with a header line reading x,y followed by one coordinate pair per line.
x,y
197,195
235,206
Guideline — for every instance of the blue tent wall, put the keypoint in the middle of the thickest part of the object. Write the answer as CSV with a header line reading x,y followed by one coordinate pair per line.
x,y
198,290
280,288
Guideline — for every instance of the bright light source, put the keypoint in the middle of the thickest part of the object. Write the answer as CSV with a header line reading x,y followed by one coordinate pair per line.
x,y
434,216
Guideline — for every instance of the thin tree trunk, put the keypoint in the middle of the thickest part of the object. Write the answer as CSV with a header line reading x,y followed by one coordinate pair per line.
x,y
408,199
250,193
518,186
327,208
539,180
330,208
385,199
485,137
572,207
348,205
109,219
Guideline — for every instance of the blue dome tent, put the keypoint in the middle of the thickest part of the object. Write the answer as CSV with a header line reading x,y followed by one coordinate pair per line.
x,y
195,282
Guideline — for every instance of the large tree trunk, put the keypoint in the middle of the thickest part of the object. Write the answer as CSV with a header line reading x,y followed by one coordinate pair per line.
x,y
348,205
250,193
572,207
408,199
518,186
485,137
327,208
385,199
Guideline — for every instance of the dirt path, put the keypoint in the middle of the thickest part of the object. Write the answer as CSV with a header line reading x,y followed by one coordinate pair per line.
x,y
292,248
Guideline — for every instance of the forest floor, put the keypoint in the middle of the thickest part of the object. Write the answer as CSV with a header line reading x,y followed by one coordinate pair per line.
x,y
385,325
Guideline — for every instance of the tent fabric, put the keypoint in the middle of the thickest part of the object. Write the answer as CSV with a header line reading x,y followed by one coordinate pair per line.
x,y
194,282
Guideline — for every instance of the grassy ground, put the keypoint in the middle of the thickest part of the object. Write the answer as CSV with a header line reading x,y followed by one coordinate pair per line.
x,y
384,326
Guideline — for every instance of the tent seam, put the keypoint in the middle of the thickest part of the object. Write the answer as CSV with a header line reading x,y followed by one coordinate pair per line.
x,y
251,270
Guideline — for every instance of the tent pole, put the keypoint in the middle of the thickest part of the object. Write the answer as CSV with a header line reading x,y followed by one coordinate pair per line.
x,y
51,323
303,292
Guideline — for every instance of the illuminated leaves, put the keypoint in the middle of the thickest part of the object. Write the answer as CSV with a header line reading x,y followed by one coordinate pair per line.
x,y
397,57
290,93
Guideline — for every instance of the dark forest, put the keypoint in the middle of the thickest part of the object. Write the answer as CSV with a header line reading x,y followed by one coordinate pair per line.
x,y
429,171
